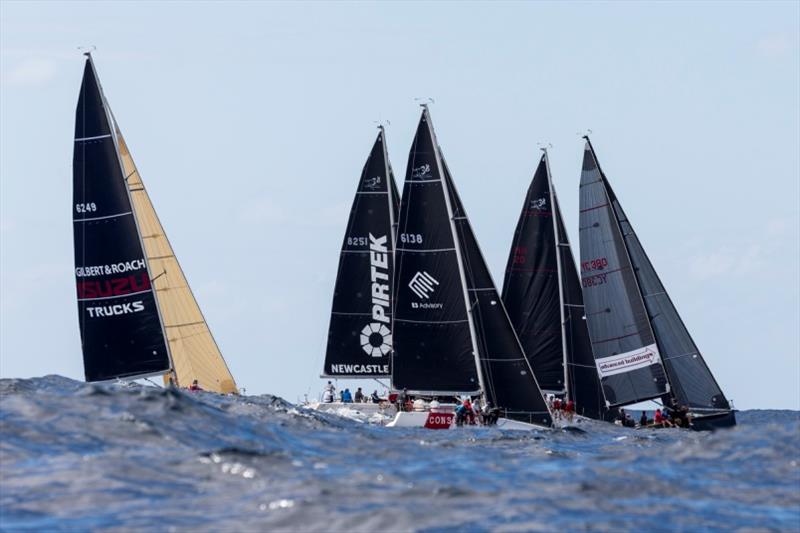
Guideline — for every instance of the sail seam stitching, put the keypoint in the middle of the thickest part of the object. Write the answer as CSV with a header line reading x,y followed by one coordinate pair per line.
x,y
100,218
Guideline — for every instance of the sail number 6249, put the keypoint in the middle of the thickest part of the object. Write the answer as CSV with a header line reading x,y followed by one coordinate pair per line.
x,y
86,208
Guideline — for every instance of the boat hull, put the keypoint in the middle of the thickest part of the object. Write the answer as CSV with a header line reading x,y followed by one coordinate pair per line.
x,y
714,421
440,420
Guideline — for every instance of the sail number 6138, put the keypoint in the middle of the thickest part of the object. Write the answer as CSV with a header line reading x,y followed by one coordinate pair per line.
x,y
411,238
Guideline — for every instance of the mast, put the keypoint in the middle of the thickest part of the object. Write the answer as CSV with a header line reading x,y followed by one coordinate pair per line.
x,y
390,190
559,272
459,258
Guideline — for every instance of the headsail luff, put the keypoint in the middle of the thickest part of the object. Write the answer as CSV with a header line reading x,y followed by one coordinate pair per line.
x,y
121,330
195,354
691,380
359,335
625,349
434,346
550,323
508,377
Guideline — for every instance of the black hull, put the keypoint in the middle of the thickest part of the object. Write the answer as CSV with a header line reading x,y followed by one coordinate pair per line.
x,y
715,421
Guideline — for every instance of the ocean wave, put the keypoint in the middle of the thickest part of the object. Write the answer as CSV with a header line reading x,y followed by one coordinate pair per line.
x,y
130,457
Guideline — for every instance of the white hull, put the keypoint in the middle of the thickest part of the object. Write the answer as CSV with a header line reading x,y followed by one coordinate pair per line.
x,y
374,413
446,420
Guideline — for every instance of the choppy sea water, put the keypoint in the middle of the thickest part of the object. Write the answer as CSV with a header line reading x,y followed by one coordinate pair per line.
x,y
75,456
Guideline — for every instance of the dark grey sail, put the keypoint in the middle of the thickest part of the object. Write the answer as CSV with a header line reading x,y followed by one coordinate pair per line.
x,y
121,330
625,350
550,322
509,381
691,381
434,350
360,332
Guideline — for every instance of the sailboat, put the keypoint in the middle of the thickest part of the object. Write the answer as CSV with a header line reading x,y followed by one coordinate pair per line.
x,y
360,331
542,294
452,336
642,348
138,317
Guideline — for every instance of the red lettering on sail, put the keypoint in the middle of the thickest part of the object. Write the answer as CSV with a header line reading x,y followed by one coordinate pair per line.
x,y
113,287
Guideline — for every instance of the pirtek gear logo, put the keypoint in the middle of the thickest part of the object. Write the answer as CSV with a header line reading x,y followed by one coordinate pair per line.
x,y
376,339
423,285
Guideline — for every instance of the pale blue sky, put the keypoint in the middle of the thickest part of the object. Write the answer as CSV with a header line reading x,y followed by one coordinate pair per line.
x,y
250,123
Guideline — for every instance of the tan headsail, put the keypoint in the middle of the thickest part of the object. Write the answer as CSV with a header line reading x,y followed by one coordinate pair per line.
x,y
195,354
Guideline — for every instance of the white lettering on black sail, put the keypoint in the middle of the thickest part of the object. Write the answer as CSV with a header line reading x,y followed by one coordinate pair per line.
x,y
360,331
121,331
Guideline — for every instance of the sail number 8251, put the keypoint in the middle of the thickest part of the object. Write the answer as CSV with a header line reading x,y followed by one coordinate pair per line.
x,y
89,207
411,238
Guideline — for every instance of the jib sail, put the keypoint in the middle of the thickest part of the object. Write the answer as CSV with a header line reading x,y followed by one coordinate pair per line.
x,y
434,348
548,317
691,380
626,353
507,375
360,332
121,331
195,354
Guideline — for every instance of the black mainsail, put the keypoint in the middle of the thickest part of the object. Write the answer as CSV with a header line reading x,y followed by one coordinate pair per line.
x,y
360,336
121,329
434,350
133,323
542,295
452,334
691,381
